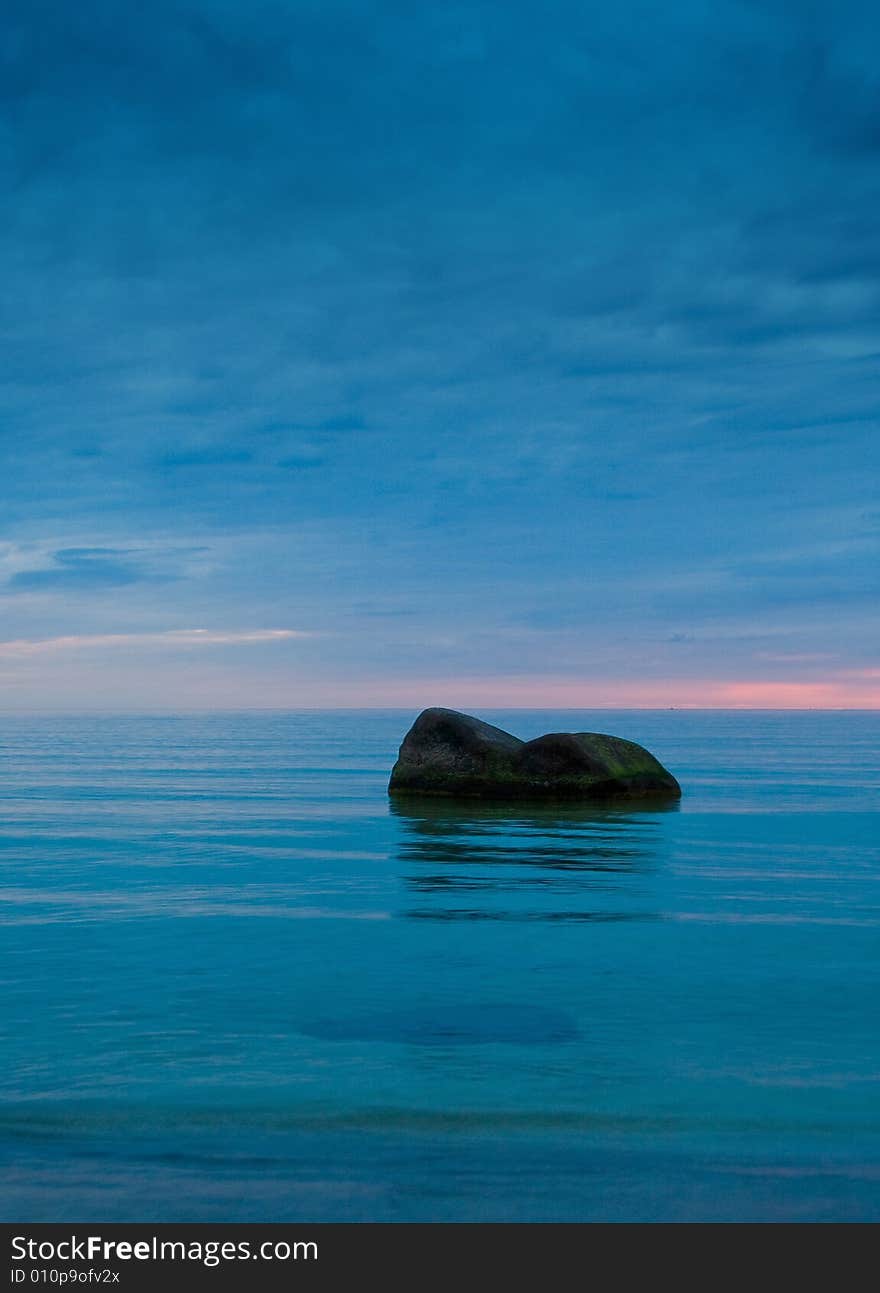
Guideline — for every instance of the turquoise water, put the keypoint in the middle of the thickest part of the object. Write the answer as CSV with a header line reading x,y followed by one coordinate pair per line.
x,y
238,984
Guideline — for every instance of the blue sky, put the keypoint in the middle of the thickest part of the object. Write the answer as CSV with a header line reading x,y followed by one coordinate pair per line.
x,y
467,354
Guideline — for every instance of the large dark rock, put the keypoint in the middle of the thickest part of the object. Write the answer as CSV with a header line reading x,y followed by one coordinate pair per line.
x,y
447,753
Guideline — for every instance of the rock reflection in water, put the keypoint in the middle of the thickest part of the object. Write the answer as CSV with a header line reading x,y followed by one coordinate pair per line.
x,y
469,860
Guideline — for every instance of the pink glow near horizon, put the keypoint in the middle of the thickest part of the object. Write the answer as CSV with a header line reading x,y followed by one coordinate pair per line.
x,y
43,673
855,691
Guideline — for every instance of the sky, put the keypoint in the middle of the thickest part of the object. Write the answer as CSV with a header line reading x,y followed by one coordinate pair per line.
x,y
487,354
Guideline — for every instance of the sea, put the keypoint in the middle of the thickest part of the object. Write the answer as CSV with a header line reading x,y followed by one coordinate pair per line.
x,y
240,984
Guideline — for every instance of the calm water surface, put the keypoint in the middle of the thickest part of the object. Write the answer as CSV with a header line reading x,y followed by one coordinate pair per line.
x,y
238,984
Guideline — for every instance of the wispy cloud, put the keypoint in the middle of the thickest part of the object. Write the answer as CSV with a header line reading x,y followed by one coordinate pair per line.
x,y
77,570
80,569
22,647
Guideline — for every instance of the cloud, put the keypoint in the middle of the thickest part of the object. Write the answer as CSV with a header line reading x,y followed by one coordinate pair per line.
x,y
80,568
25,647
83,569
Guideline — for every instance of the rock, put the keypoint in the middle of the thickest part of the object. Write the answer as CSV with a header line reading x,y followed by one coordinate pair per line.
x,y
447,753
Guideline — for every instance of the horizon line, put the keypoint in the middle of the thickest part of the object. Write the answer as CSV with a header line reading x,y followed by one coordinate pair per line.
x,y
525,709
